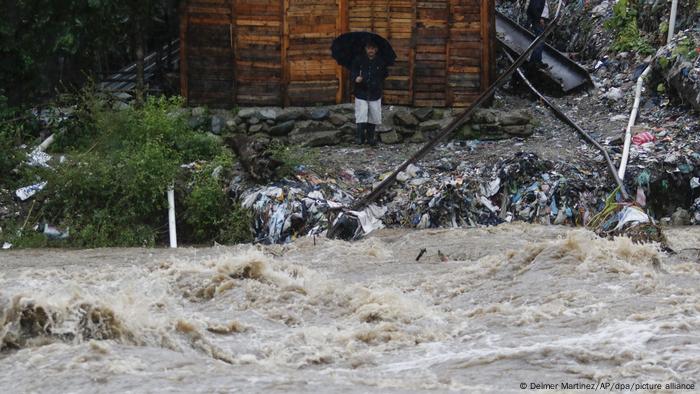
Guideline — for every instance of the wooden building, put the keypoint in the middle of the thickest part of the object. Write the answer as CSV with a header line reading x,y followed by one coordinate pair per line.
x,y
277,52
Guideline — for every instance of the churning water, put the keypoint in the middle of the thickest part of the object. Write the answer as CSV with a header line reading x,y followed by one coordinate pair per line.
x,y
483,310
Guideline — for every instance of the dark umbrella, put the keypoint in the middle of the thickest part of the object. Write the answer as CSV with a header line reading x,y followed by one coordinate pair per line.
x,y
348,46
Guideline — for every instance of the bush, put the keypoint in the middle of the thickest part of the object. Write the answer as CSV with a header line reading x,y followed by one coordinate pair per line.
x,y
624,24
291,157
209,213
113,193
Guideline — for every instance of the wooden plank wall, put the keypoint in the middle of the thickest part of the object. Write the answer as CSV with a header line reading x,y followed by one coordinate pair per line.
x,y
206,54
311,26
464,80
277,52
258,27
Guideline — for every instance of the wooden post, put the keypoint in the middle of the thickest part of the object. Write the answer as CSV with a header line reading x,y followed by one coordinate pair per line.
x,y
449,94
284,46
233,31
184,23
342,26
487,39
412,55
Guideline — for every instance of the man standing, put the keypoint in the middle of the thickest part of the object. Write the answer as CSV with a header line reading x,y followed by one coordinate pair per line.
x,y
537,14
368,72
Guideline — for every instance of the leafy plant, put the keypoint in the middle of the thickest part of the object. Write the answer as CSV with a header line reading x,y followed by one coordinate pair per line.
x,y
624,24
209,213
292,157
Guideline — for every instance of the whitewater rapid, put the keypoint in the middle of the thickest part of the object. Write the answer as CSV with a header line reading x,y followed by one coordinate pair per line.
x,y
483,310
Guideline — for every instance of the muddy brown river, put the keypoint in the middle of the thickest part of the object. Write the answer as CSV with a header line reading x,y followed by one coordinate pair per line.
x,y
483,310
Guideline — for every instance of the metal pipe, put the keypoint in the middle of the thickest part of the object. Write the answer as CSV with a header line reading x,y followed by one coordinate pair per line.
x,y
672,21
457,122
630,124
171,216
576,127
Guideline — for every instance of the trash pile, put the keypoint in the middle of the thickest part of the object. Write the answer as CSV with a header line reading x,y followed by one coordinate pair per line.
x,y
523,187
677,66
291,208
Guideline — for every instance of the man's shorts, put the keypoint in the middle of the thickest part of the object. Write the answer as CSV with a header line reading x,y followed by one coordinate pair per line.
x,y
368,111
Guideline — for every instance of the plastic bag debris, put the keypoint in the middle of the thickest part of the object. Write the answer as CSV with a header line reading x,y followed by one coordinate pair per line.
x,y
38,158
631,215
27,192
52,232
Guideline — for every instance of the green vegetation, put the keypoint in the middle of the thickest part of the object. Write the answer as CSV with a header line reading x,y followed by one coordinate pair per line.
x,y
624,24
686,48
111,189
291,157
46,44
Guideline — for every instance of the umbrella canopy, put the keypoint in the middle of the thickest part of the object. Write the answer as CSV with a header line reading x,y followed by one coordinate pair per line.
x,y
348,46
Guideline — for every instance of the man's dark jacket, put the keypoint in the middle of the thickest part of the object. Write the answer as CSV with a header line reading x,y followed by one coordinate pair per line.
x,y
534,9
373,73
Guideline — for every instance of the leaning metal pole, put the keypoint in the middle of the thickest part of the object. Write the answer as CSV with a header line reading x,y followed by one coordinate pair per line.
x,y
460,120
561,115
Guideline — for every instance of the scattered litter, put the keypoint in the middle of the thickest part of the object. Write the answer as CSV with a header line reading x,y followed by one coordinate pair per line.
x,y
38,158
643,138
52,232
6,245
27,192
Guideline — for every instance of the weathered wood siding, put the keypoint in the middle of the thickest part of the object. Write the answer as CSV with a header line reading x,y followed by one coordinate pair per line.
x,y
277,52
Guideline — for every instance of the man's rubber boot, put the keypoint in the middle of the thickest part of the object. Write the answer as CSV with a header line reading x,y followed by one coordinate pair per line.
x,y
360,133
371,135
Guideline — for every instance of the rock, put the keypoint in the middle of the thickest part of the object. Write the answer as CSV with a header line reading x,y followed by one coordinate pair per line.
x,y
405,119
310,126
269,114
253,120
258,128
199,111
290,114
423,114
382,128
519,130
270,122
217,124
320,113
238,120
391,137
484,116
520,117
680,218
429,125
321,138
246,113
337,119
349,129
282,129
417,137
196,122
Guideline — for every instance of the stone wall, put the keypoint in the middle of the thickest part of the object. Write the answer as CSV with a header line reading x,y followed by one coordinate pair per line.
x,y
332,125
